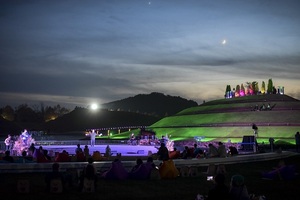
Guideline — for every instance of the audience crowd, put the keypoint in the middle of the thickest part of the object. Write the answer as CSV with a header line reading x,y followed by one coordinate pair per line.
x,y
86,178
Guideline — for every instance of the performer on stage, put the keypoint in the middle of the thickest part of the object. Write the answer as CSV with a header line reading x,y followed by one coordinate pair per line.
x,y
24,136
93,138
163,140
132,139
8,143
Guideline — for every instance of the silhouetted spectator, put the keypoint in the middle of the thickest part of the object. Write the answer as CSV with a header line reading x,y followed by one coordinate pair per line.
x,y
212,151
163,152
8,157
233,151
197,151
54,175
219,190
222,150
186,153
238,189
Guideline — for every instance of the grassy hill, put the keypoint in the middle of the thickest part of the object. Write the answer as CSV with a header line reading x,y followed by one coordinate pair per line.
x,y
81,119
231,119
156,104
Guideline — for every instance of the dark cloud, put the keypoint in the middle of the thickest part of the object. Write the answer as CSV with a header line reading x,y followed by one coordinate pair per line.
x,y
73,51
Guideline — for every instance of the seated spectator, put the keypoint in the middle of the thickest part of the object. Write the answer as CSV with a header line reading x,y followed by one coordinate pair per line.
x,y
219,190
186,153
31,149
281,172
238,189
41,158
197,153
212,151
97,156
80,156
25,158
39,155
222,150
140,171
150,164
174,154
221,169
48,158
54,175
8,157
233,151
62,157
168,170
117,171
139,162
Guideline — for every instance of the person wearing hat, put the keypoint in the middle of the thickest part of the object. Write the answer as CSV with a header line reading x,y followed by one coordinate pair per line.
x,y
238,189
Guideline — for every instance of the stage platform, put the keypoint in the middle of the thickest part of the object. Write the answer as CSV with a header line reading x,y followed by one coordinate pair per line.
x,y
123,149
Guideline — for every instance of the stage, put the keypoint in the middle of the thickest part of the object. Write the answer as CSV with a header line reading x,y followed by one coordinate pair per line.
x,y
123,149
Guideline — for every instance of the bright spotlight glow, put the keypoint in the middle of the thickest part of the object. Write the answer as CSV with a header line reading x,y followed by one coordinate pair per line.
x,y
94,106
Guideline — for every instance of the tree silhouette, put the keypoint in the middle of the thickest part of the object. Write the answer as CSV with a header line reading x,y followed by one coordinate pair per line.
x,y
263,88
270,86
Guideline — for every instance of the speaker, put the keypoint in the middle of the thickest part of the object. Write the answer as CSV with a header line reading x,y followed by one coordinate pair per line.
x,y
248,142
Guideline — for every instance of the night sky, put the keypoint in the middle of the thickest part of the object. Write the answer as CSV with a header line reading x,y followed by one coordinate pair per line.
x,y
75,52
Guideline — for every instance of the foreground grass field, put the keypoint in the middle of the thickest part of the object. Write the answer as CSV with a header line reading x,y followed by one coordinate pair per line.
x,y
178,188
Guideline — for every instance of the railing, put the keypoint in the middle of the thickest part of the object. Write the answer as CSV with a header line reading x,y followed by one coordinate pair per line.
x,y
75,142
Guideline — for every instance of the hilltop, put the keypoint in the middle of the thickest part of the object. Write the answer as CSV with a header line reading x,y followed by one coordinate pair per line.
x,y
156,104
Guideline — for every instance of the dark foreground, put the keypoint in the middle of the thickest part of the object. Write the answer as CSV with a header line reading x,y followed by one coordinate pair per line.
x,y
178,188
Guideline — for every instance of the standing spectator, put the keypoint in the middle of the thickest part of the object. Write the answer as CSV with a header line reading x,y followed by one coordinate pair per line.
x,y
78,149
54,175
163,152
108,152
255,130
297,140
271,140
88,173
86,151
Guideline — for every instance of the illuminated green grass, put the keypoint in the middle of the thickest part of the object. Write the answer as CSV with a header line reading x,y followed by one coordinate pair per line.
x,y
229,119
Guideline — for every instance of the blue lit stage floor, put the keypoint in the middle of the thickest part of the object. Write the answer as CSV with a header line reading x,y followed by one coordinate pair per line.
x,y
125,150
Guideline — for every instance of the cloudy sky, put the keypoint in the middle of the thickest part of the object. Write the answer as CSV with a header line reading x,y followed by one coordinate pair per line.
x,y
74,52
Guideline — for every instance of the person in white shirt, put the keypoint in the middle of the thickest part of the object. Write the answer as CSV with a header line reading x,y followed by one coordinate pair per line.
x,y
93,138
8,142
